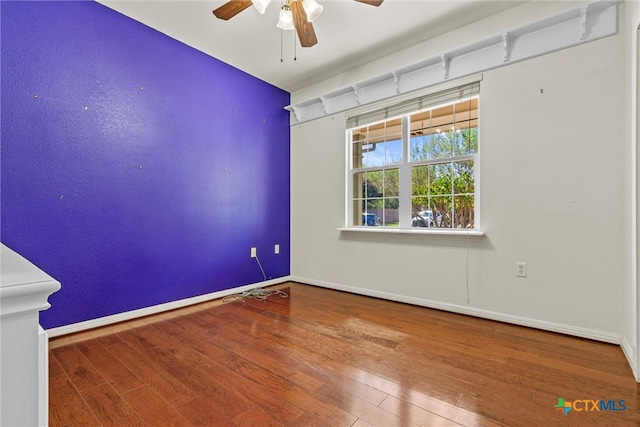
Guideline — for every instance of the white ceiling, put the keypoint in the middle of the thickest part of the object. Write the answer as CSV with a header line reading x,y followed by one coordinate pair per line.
x,y
350,34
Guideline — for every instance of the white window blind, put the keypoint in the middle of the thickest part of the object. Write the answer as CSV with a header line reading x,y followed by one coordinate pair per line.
x,y
422,102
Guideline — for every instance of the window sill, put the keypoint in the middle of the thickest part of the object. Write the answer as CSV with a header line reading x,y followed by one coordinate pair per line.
x,y
435,231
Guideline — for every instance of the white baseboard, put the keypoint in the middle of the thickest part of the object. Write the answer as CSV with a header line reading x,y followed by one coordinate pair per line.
x,y
134,314
485,314
627,349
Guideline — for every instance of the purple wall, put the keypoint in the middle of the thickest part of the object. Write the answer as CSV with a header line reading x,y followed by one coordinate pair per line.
x,y
143,170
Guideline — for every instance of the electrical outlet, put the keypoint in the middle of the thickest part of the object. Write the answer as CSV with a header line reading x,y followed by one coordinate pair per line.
x,y
254,252
521,269
276,249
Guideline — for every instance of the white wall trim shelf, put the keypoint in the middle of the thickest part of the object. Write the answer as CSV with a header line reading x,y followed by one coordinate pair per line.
x,y
580,24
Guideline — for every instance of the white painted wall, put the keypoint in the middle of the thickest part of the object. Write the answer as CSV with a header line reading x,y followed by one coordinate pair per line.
x,y
629,28
554,193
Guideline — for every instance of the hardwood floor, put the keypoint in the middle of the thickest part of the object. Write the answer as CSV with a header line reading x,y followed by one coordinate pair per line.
x,y
327,358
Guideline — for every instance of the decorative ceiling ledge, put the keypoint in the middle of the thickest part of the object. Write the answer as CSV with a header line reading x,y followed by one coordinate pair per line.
x,y
587,22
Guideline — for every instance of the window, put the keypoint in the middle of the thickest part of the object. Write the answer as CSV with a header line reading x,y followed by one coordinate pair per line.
x,y
413,164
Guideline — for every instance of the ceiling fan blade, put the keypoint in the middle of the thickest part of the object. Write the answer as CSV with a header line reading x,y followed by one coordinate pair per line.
x,y
231,9
371,2
306,33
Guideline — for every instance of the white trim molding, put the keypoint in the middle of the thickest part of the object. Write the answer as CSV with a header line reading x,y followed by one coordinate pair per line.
x,y
134,314
24,288
470,311
24,292
627,349
581,24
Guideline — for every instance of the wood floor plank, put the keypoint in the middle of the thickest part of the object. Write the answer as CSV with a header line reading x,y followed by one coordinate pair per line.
x,y
201,412
266,395
415,414
166,386
189,333
81,372
153,410
110,408
283,367
230,341
555,380
361,409
139,338
429,403
255,417
251,311
118,375
204,385
66,405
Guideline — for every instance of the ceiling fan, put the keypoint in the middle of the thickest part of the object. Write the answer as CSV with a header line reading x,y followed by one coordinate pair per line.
x,y
294,14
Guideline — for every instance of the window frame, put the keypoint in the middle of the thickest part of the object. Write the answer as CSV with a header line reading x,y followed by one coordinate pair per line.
x,y
406,166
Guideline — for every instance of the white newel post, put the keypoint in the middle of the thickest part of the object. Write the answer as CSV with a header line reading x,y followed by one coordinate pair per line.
x,y
24,290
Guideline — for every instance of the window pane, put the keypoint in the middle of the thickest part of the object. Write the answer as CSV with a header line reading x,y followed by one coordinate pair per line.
x,y
440,178
423,218
383,153
419,204
374,204
393,152
391,183
393,129
365,212
375,155
374,184
360,154
466,127
443,132
464,177
420,148
420,123
420,136
420,181
424,214
370,219
358,212
466,142
377,133
359,185
379,144
375,198
442,209
464,211
391,215
358,147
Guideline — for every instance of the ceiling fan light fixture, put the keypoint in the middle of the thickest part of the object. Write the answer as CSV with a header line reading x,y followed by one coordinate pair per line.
x,y
312,8
261,5
285,21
